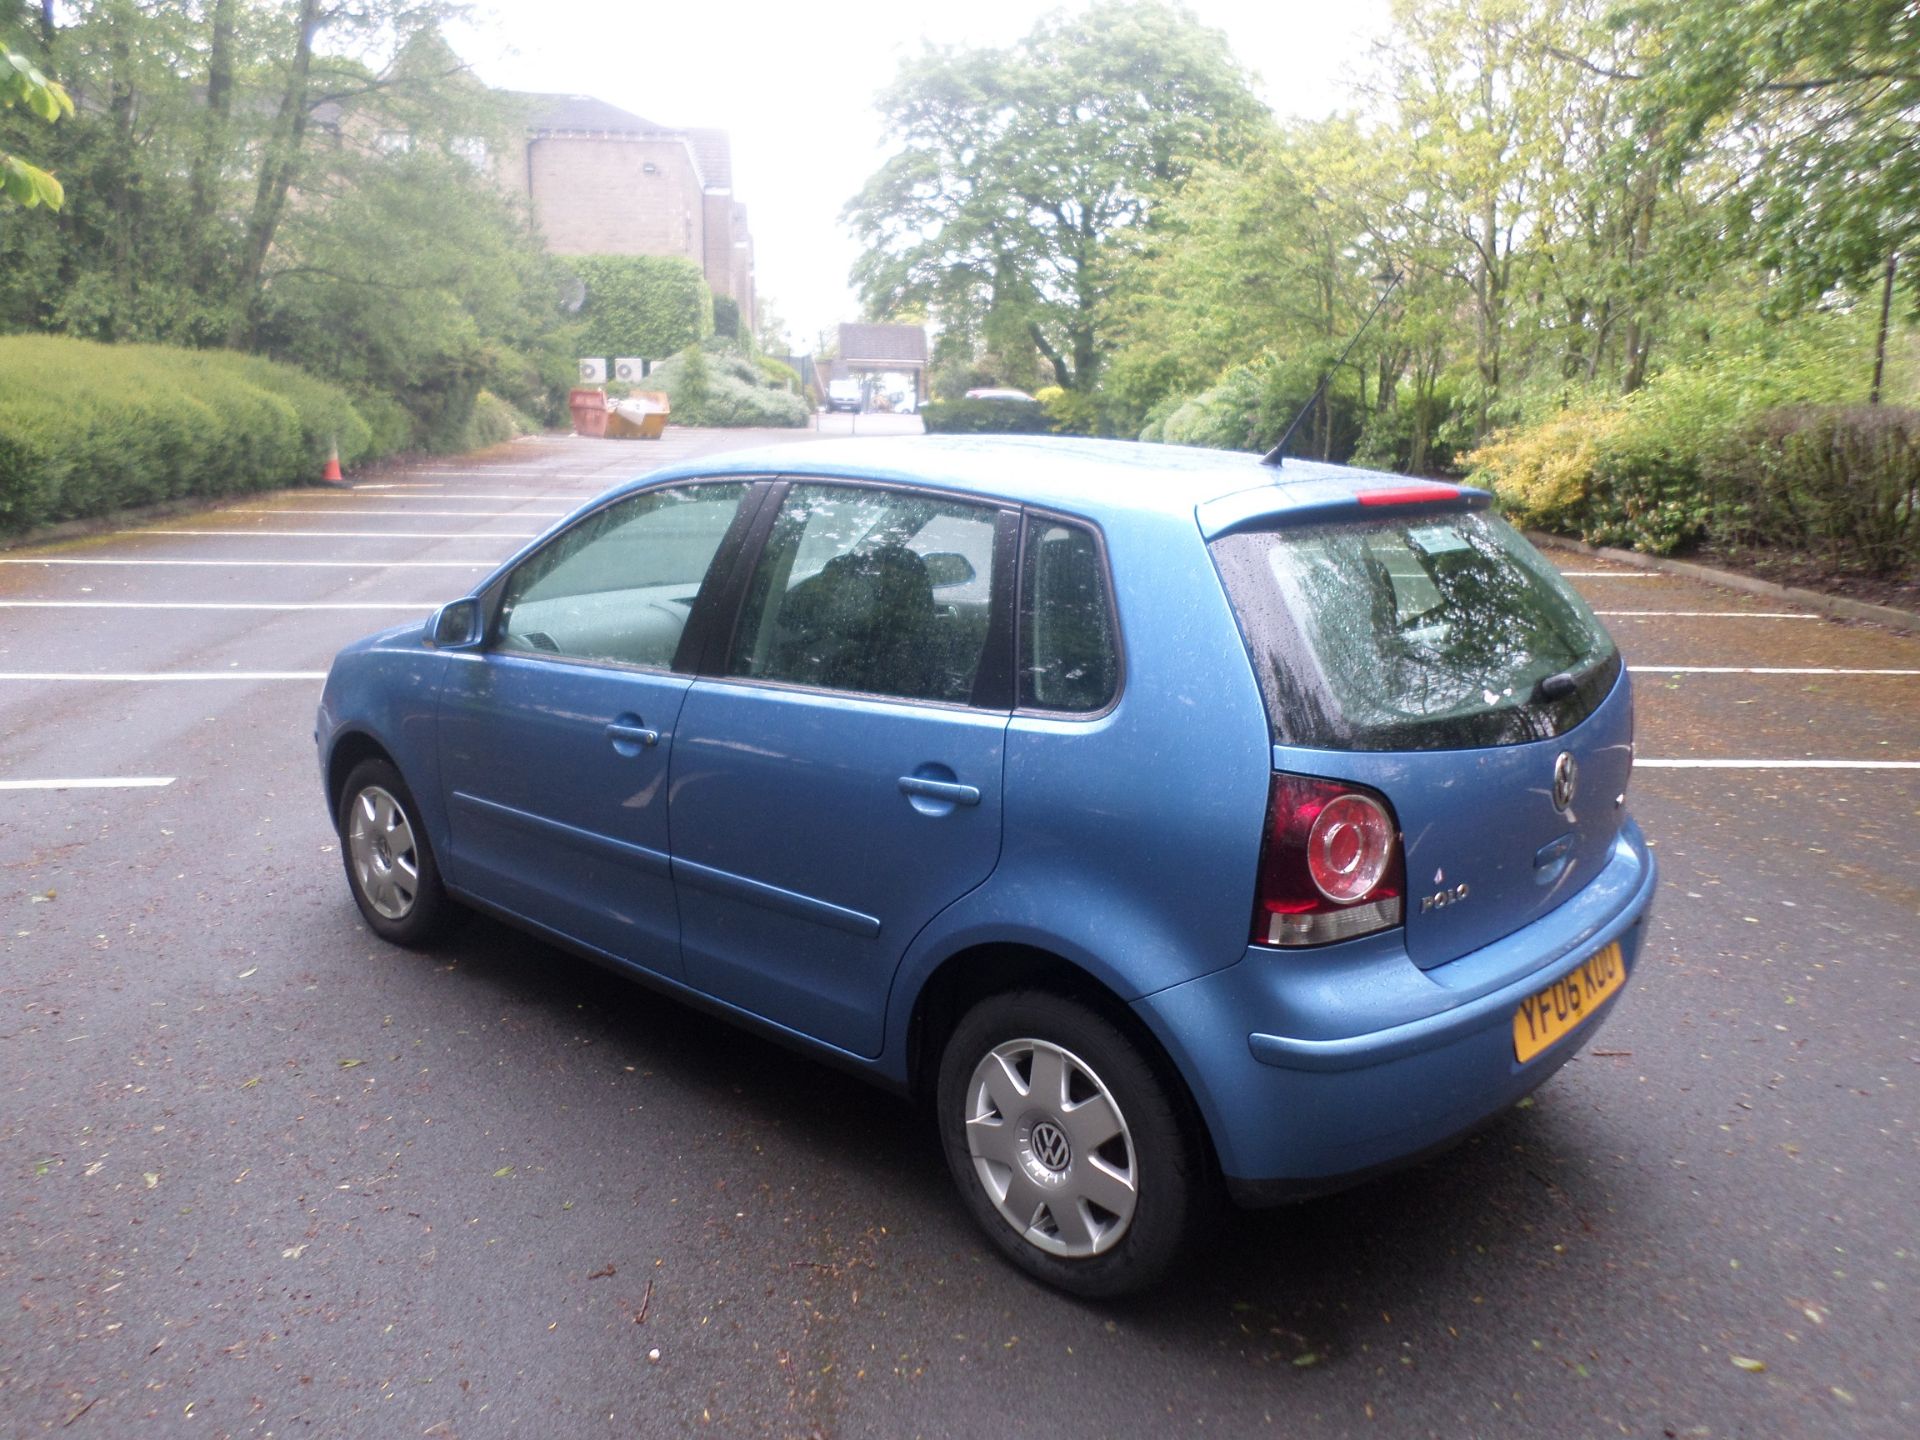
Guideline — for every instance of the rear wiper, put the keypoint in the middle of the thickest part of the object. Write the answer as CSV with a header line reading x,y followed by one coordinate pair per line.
x,y
1557,686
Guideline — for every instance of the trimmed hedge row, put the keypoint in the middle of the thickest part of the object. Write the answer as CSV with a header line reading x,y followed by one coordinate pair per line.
x,y
985,417
1839,481
88,428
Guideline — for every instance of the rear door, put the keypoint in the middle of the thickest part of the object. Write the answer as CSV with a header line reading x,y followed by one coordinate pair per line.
x,y
1439,659
555,738
837,783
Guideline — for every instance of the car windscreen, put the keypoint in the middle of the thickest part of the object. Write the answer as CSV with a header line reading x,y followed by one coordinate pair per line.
x,y
1426,632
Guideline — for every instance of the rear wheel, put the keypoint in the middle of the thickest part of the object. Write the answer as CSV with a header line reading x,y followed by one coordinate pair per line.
x,y
1067,1147
390,865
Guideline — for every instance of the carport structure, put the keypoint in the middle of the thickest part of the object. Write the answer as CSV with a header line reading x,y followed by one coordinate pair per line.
x,y
882,349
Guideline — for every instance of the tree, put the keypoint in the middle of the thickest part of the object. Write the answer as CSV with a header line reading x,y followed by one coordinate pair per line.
x,y
302,178
1816,106
22,84
1023,175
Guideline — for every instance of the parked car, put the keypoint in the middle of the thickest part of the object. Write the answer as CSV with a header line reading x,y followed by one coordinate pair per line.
x,y
1173,824
844,395
995,392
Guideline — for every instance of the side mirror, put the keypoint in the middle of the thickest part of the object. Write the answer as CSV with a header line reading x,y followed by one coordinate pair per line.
x,y
948,567
455,625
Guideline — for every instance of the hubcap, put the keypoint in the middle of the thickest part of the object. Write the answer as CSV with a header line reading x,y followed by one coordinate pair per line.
x,y
1051,1148
386,866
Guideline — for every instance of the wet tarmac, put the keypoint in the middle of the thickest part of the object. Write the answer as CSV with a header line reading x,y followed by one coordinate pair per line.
x,y
262,1175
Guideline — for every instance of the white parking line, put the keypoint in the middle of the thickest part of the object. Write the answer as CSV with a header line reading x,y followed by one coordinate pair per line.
x,y
574,495
1761,670
141,676
1707,614
403,514
351,534
1776,764
270,564
1612,575
421,606
97,782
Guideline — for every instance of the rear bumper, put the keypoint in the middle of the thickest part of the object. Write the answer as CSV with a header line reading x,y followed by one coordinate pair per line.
x,y
1315,1069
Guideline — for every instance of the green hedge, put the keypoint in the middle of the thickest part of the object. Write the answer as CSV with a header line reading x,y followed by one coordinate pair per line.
x,y
985,417
88,428
648,305
715,384
1838,481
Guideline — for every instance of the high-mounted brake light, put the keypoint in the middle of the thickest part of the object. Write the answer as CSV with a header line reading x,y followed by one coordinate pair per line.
x,y
1330,865
1408,495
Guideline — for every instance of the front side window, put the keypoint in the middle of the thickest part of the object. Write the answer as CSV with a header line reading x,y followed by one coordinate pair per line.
x,y
1068,659
618,587
880,592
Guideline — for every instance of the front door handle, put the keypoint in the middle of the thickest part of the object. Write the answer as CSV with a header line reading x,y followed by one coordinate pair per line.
x,y
625,732
952,793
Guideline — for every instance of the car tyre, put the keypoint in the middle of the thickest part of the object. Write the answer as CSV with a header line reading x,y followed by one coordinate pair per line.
x,y
389,860
1071,1152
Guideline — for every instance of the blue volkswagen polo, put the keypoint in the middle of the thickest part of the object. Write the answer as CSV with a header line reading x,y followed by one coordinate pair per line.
x,y
1176,825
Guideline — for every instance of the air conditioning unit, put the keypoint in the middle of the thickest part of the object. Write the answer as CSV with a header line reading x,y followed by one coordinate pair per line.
x,y
593,372
630,368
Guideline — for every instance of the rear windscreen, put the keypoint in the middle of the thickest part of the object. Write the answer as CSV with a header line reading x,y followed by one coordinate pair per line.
x,y
1424,633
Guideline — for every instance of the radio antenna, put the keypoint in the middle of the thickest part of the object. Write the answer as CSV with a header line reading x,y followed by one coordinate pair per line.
x,y
1278,455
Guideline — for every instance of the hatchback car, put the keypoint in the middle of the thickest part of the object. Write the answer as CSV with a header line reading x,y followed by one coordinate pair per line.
x,y
1175,825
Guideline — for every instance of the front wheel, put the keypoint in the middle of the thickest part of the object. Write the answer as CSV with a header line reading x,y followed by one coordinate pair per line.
x,y
1067,1147
390,865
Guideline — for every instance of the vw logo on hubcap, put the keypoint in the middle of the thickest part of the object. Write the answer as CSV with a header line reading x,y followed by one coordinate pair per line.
x,y
1050,1146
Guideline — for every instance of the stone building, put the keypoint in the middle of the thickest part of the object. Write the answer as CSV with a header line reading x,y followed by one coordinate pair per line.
x,y
601,181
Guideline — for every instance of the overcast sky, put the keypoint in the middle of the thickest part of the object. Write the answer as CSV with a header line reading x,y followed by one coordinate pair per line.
x,y
794,85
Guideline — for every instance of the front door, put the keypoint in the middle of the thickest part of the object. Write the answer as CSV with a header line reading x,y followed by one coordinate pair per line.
x,y
839,784
556,737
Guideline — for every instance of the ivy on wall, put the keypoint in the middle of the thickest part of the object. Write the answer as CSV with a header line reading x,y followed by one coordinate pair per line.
x,y
648,305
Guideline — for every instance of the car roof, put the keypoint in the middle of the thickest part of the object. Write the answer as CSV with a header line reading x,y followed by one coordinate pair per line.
x,y
1096,478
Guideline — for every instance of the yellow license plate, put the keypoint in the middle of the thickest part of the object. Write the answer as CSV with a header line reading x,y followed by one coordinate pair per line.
x,y
1555,1011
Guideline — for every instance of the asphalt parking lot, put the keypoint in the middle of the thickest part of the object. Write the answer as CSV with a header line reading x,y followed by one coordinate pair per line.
x,y
262,1175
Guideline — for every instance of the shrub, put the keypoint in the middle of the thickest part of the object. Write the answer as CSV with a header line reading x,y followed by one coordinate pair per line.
x,y
494,422
1071,412
650,305
726,316
778,373
1545,474
1251,405
1842,481
715,384
1608,471
985,417
88,428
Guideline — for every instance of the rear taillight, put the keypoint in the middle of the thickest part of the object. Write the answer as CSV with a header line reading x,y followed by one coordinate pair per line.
x,y
1330,865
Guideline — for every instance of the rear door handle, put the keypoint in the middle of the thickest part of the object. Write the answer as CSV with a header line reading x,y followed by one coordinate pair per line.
x,y
949,791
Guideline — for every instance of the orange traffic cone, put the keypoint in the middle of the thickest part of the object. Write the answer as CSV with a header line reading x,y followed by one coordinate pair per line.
x,y
332,473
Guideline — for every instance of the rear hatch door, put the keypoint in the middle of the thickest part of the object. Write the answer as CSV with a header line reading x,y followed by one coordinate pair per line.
x,y
1430,653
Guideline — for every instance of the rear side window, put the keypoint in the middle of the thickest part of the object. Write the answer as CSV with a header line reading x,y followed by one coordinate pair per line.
x,y
1427,633
1068,659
